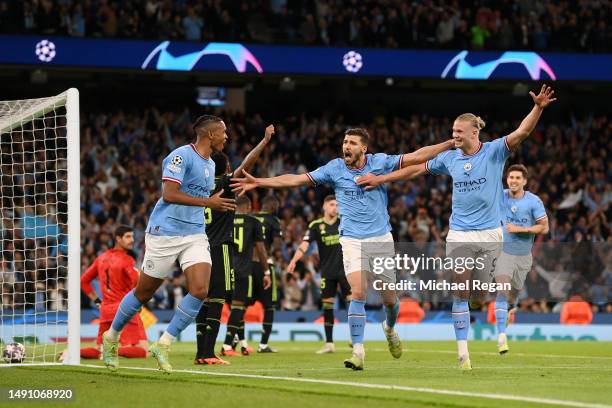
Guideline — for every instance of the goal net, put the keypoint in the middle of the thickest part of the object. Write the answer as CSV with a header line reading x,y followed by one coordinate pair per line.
x,y
40,228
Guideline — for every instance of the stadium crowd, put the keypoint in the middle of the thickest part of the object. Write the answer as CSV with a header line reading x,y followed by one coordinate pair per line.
x,y
482,24
568,165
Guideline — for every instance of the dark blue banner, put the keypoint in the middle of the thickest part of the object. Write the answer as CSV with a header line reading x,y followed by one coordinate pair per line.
x,y
262,59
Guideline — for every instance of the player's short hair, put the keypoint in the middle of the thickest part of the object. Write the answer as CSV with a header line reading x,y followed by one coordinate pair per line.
x,y
518,167
362,133
121,230
270,201
243,201
476,121
329,198
204,121
221,160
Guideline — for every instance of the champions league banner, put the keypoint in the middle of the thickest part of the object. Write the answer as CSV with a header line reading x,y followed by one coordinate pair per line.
x,y
144,55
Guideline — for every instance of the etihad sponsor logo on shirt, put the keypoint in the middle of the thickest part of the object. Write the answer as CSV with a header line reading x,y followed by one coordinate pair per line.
x,y
469,185
355,194
198,188
513,220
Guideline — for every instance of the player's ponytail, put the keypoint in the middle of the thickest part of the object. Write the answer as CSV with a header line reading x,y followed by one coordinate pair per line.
x,y
476,121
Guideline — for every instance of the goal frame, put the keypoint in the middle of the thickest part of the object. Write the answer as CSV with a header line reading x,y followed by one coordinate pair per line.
x,y
69,99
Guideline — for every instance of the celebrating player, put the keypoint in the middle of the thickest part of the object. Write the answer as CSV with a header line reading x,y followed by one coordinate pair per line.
x,y
249,239
364,226
267,295
476,169
176,232
524,217
325,232
219,229
117,275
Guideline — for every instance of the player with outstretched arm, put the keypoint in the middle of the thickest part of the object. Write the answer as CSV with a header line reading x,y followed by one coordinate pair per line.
x,y
476,169
364,224
176,232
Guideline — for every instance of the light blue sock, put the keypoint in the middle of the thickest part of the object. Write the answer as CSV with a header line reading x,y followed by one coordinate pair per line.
x,y
128,308
185,313
501,313
461,319
391,313
356,320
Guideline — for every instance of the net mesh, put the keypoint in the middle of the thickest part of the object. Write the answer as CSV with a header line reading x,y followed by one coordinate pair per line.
x,y
33,231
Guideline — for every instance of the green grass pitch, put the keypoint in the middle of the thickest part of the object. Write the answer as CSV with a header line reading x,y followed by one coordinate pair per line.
x,y
533,373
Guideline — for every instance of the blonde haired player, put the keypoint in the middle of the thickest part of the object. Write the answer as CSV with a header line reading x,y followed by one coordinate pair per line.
x,y
475,231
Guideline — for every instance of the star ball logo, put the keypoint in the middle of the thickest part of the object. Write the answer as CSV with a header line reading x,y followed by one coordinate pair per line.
x,y
45,51
352,61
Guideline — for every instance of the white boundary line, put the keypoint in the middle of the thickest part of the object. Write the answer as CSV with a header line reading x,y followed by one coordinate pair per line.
x,y
534,400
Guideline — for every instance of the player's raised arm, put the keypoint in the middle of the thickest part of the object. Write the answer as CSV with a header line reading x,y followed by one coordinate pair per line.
x,y
251,158
243,184
172,194
541,101
426,153
371,181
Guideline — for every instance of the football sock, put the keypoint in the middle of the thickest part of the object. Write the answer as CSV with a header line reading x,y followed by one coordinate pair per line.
x,y
132,352
128,308
461,322
90,353
356,321
184,314
268,320
501,313
391,313
328,318
213,322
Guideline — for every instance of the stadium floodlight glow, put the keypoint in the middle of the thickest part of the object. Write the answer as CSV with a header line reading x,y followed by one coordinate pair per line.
x,y
45,50
352,61
45,209
530,60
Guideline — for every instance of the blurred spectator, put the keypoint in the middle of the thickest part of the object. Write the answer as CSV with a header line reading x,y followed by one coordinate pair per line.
x,y
562,26
576,311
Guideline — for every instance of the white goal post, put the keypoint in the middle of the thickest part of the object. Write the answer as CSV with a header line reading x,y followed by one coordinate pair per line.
x,y
40,228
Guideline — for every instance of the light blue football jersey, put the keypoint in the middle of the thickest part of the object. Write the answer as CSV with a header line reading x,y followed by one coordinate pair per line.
x,y
477,184
524,212
363,214
196,176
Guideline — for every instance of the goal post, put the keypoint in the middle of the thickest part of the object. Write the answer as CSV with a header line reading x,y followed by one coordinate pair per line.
x,y
40,227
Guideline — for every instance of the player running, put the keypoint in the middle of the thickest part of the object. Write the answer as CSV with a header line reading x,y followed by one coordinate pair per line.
x,y
248,239
476,169
325,232
176,232
219,229
524,217
364,226
268,296
117,275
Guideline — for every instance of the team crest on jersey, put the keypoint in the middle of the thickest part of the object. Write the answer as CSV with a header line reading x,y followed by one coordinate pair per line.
x,y
206,173
356,178
514,209
467,166
322,229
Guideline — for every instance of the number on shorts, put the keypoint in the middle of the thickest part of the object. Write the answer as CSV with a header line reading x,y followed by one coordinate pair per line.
x,y
207,215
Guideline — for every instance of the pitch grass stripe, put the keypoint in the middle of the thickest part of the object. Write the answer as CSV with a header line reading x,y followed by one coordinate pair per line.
x,y
534,400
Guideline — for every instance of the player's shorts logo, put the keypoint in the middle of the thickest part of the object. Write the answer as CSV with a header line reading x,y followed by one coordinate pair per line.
x,y
149,265
514,209
467,166
177,160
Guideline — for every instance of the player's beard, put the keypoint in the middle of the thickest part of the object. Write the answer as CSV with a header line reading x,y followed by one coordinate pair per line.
x,y
353,160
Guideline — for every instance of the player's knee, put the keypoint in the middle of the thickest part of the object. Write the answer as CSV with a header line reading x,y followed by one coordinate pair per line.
x,y
358,294
201,292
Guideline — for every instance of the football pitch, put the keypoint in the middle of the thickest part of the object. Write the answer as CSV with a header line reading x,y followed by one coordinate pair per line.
x,y
575,374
